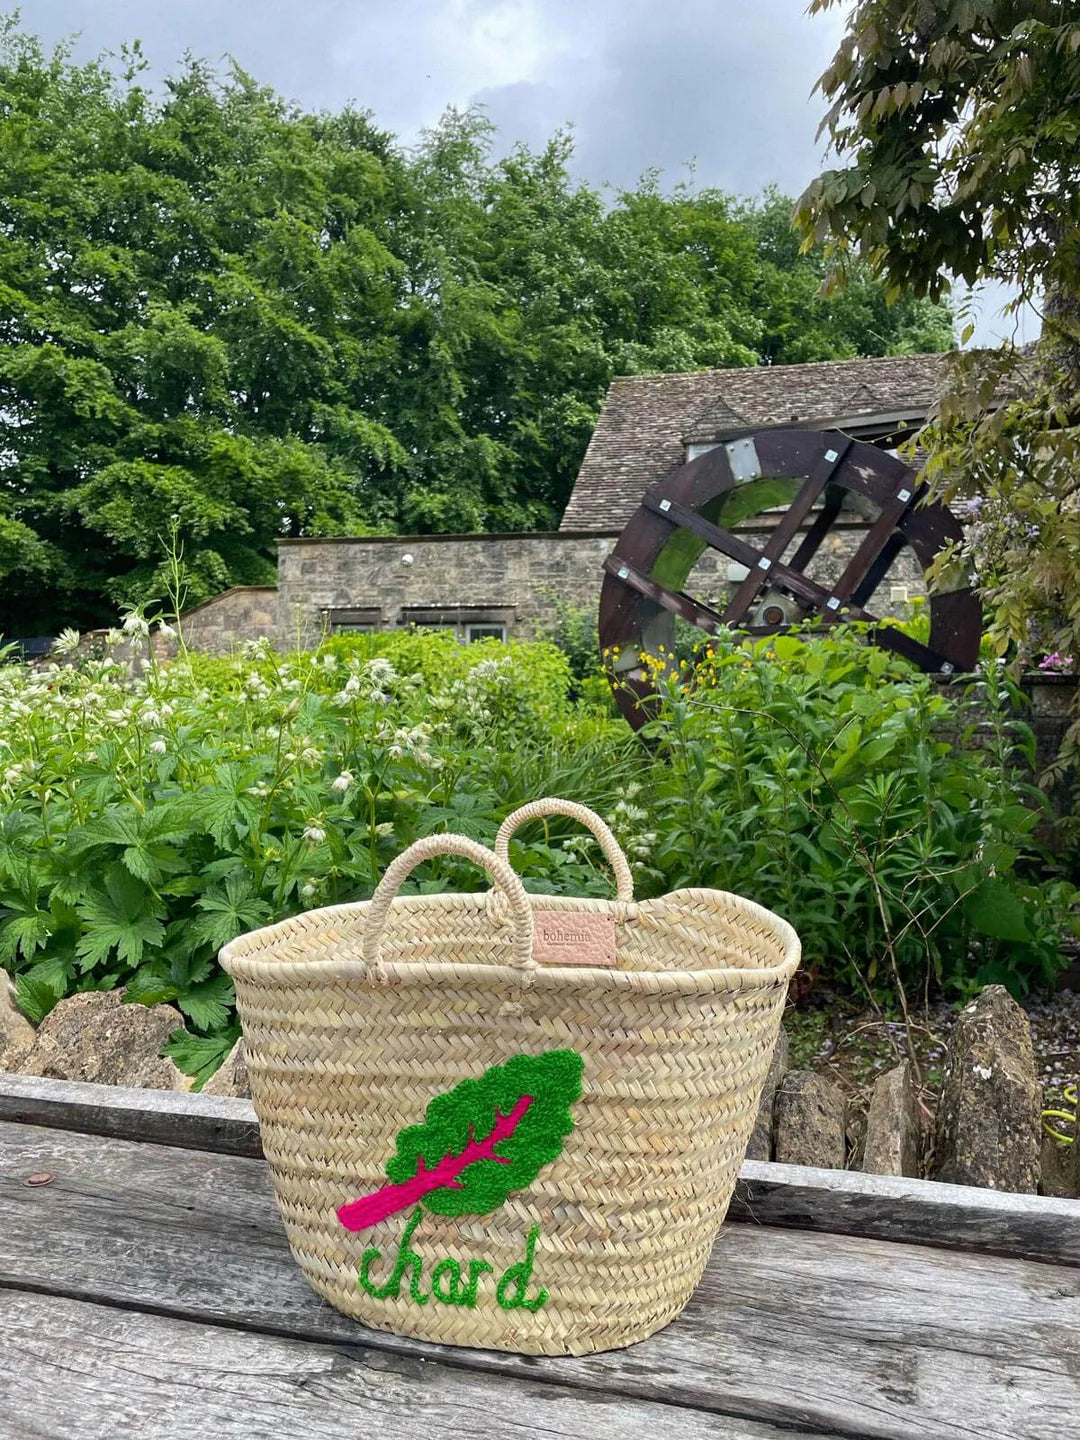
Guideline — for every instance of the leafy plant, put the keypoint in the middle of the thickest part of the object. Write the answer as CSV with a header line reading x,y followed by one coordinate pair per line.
x,y
887,821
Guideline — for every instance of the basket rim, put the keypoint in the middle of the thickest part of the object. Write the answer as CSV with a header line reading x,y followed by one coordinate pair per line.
x,y
238,961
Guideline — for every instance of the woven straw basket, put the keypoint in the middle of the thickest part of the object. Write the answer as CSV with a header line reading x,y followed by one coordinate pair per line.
x,y
357,1017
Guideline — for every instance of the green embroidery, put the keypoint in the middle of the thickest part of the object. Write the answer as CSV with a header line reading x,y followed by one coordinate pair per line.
x,y
476,1269
519,1276
479,1142
406,1260
447,1285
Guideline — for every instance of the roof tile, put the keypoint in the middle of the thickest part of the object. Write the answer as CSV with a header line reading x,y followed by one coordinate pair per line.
x,y
647,420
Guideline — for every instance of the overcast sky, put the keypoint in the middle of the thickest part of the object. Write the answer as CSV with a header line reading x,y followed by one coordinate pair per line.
x,y
723,85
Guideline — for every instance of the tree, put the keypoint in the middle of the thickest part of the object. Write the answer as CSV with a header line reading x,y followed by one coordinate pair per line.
x,y
227,319
192,293
957,123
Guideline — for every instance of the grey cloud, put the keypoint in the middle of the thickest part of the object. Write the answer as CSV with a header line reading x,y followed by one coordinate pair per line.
x,y
645,84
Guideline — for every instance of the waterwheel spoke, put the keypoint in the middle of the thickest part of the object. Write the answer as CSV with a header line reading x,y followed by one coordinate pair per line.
x,y
676,601
874,543
823,523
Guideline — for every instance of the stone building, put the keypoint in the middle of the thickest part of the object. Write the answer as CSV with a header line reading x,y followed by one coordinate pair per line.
x,y
511,585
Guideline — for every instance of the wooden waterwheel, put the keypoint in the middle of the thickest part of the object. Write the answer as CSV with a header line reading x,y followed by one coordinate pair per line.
x,y
813,473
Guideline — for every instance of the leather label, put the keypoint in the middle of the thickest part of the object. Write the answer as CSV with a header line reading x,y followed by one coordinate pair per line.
x,y
574,937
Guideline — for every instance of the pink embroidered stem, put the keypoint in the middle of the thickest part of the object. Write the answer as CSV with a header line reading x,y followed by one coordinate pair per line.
x,y
370,1209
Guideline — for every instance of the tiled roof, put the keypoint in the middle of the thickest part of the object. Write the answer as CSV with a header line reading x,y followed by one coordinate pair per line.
x,y
647,420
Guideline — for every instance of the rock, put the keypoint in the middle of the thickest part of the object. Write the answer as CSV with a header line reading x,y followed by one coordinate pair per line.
x,y
232,1077
16,1033
810,1121
95,1037
988,1126
893,1133
761,1140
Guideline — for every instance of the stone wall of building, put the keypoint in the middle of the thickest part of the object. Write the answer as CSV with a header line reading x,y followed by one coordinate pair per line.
x,y
385,582
246,612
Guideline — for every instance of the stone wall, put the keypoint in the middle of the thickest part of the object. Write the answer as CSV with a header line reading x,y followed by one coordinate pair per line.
x,y
387,582
247,612
515,580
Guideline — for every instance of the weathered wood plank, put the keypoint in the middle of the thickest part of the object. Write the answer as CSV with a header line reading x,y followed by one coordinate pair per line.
x,y
920,1212
164,1117
842,1335
75,1371
883,1207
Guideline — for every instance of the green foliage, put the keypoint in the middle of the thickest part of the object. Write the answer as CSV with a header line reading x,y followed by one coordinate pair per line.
x,y
228,320
959,128
145,823
1015,471
885,820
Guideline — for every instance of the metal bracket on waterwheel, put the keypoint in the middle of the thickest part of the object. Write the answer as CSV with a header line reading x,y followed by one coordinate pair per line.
x,y
643,593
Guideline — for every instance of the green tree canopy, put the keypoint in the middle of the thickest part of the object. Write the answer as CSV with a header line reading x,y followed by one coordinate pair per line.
x,y
225,316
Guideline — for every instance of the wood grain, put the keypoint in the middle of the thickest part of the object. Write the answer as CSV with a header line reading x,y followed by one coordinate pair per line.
x,y
75,1371
919,1212
831,1334
166,1117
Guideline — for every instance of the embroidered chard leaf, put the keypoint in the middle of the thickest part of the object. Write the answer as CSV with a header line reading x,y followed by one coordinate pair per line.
x,y
479,1142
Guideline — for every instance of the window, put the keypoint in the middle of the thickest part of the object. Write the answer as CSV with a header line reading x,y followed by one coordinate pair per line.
x,y
468,622
363,619
484,632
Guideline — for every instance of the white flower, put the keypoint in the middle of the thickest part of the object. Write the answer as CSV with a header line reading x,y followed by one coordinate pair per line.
x,y
314,834
150,719
158,747
381,672
343,781
166,630
66,642
13,775
307,891
134,624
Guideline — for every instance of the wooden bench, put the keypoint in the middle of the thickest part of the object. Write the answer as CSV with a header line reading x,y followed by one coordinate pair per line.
x,y
147,1290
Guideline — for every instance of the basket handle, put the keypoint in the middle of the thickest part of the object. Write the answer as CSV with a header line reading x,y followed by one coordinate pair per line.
x,y
624,880
397,871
